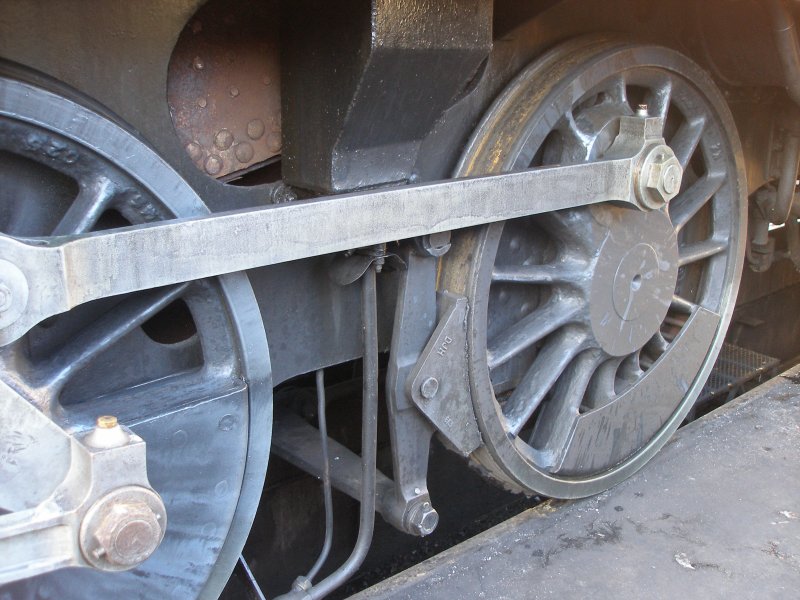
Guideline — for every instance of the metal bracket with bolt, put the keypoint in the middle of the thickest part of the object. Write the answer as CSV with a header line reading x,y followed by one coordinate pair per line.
x,y
101,511
434,384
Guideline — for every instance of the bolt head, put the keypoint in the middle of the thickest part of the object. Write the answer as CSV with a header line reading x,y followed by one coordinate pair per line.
x,y
671,178
659,178
429,388
424,519
129,534
435,244
123,528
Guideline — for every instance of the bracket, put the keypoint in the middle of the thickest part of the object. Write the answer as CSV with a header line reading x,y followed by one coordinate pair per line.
x,y
439,384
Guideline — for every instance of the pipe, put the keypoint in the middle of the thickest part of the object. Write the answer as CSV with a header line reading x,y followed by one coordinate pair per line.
x,y
326,477
786,40
251,578
787,183
369,449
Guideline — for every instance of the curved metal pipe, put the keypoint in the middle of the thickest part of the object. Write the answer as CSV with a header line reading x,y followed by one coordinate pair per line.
x,y
787,183
369,449
788,44
326,478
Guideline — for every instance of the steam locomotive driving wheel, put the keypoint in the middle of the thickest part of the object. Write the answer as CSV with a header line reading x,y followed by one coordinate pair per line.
x,y
592,330
185,367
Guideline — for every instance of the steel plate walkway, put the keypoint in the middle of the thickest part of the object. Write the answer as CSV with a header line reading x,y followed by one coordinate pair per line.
x,y
715,515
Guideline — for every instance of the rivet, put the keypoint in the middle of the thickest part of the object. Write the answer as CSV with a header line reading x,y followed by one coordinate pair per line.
x,y
213,165
198,64
266,80
201,102
234,91
194,150
255,129
179,438
275,142
243,152
227,422
224,139
221,488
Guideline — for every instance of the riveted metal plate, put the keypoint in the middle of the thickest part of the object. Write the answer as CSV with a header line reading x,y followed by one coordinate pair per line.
x,y
223,87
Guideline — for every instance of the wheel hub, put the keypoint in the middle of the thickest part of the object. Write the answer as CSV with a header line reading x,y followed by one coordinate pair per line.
x,y
633,280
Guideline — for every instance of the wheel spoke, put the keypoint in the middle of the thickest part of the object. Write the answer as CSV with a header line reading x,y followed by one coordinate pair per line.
x,y
658,343
685,141
659,99
618,90
683,305
152,400
536,274
102,334
92,200
630,370
601,387
540,377
692,253
573,130
570,228
559,412
530,330
686,205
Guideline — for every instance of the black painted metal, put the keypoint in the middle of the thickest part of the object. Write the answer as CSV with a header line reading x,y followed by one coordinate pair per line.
x,y
356,107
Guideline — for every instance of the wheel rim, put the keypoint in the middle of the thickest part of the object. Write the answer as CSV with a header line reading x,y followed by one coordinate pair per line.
x,y
593,329
186,367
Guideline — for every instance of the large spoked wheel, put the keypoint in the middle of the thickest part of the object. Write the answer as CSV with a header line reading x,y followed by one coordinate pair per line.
x,y
186,367
593,330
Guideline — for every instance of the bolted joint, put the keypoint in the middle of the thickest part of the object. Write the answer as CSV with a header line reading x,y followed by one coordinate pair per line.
x,y
429,388
659,178
434,244
422,519
123,528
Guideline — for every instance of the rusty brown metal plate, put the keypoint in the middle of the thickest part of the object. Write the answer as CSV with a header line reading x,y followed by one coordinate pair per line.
x,y
223,87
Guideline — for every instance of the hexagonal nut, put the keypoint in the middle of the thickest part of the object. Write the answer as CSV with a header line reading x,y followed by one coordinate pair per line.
x,y
659,178
435,244
424,519
123,528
